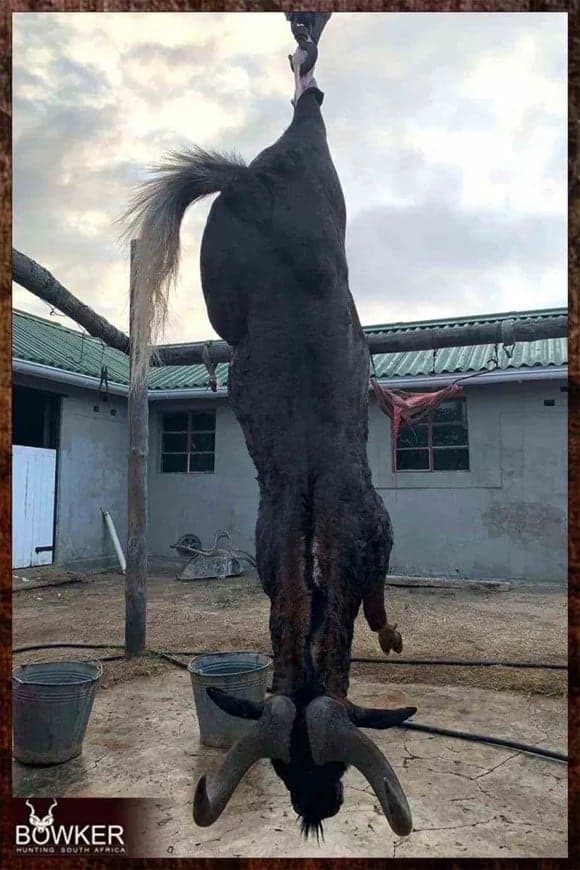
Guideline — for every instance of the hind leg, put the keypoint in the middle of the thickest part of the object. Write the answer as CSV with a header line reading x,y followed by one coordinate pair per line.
x,y
375,615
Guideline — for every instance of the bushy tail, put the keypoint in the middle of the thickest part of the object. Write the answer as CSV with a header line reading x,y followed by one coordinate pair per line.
x,y
154,218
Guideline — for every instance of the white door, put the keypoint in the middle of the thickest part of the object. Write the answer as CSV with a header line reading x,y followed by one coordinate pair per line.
x,y
33,490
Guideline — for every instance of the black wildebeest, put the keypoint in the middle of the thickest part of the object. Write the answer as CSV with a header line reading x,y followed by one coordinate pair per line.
x,y
275,280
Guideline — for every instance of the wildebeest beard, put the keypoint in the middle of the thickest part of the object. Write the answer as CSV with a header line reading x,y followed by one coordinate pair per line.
x,y
275,281
316,792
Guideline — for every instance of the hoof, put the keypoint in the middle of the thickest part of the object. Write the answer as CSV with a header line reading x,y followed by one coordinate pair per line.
x,y
390,639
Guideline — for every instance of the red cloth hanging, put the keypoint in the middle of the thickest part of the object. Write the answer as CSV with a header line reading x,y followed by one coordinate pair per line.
x,y
410,407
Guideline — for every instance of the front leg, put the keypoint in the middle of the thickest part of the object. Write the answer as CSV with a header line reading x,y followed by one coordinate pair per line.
x,y
375,615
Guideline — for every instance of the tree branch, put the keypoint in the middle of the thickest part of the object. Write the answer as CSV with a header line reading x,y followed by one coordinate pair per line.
x,y
34,277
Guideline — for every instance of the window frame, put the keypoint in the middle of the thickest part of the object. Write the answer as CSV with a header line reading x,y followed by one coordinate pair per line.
x,y
189,432
430,447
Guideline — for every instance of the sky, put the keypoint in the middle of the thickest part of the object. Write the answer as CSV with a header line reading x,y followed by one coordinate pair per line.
x,y
448,132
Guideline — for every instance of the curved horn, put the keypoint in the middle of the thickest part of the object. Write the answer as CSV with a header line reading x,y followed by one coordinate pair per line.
x,y
333,737
240,707
269,738
373,717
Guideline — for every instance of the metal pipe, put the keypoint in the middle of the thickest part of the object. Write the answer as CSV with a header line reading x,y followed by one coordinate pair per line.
x,y
115,539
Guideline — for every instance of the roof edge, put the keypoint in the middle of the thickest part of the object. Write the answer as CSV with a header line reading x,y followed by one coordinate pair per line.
x,y
24,367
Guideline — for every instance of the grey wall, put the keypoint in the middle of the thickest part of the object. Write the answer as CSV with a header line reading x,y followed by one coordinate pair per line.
x,y
91,473
505,518
202,503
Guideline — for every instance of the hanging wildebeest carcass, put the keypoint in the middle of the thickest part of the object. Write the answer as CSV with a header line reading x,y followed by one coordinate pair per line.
x,y
275,281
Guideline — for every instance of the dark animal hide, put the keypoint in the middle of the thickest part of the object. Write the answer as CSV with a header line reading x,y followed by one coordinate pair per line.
x,y
275,281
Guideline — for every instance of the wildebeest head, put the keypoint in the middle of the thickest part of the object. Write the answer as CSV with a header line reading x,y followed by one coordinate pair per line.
x,y
310,750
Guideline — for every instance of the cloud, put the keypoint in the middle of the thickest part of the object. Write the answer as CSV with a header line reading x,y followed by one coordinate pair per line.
x,y
436,257
447,131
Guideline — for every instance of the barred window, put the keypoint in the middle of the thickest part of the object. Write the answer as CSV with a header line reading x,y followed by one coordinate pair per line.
x,y
438,443
188,441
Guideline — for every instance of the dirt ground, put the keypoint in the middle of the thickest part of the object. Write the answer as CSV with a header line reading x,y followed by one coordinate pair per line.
x,y
196,616
467,800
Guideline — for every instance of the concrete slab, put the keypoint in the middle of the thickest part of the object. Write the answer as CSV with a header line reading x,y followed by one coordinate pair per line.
x,y
468,800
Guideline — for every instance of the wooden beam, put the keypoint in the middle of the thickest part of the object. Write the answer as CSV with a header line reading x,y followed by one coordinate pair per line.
x,y
39,281
34,277
503,331
422,338
136,574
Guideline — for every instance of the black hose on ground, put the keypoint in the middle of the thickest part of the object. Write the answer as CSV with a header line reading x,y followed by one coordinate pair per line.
x,y
464,663
482,738
169,658
149,652
58,645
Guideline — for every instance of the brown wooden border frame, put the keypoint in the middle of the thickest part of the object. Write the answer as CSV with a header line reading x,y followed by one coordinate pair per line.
x,y
5,395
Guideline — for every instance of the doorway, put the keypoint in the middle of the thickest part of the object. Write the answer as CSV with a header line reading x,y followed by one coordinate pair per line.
x,y
35,425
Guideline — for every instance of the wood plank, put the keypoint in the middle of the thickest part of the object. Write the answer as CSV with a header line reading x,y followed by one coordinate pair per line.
x,y
138,425
447,583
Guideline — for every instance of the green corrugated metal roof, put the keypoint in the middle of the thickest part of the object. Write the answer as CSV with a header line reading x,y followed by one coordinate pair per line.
x,y
183,377
464,360
43,341
38,340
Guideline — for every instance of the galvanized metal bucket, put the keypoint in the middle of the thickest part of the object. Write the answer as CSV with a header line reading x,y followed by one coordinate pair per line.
x,y
51,706
243,674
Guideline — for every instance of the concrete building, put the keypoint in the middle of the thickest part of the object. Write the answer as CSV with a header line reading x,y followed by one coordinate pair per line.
x,y
478,490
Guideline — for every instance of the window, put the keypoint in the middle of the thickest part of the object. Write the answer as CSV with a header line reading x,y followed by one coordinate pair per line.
x,y
439,443
188,441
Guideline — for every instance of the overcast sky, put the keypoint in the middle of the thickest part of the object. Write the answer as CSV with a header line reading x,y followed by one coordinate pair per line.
x,y
448,132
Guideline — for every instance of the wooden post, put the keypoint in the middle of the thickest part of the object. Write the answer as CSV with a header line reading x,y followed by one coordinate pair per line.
x,y
136,575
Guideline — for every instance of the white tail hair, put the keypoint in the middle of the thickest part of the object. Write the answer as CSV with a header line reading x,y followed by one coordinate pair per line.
x,y
154,218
